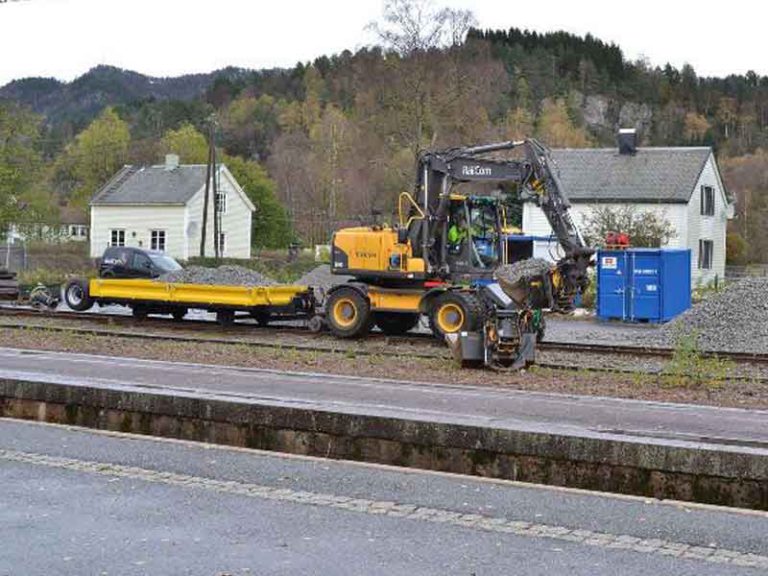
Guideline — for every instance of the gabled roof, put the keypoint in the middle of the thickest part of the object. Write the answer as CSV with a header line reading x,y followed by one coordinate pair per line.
x,y
152,185
649,175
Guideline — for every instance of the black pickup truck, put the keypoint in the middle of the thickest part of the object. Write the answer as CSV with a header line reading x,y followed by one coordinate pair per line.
x,y
125,262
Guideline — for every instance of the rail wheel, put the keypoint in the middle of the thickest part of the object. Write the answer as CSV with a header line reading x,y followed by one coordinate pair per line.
x,y
225,317
453,312
394,323
178,314
140,312
77,296
348,313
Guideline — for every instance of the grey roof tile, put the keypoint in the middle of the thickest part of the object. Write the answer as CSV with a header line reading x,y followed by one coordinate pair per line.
x,y
650,175
152,185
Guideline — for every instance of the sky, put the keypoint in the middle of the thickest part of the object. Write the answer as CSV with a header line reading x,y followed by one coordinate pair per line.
x,y
65,38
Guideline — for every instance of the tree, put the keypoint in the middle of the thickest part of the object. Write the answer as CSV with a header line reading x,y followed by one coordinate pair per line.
x,y
271,227
518,124
646,229
556,129
695,127
410,26
188,143
20,167
97,153
249,125
735,249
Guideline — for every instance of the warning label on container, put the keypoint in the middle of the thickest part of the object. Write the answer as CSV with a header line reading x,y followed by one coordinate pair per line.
x,y
610,262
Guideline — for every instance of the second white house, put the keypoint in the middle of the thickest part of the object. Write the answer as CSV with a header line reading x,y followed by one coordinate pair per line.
x,y
161,208
682,185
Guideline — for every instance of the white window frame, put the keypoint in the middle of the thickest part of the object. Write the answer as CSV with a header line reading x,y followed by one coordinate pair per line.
x,y
118,233
707,200
155,237
706,254
222,243
221,202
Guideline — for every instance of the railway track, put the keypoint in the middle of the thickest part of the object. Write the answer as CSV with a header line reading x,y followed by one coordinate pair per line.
x,y
330,345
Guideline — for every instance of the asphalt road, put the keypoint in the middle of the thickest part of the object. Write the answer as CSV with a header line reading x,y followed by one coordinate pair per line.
x,y
647,422
84,502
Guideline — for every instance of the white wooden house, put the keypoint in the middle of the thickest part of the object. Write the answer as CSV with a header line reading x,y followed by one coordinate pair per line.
x,y
681,184
161,208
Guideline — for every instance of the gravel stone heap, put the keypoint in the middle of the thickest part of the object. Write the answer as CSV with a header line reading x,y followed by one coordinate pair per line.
x,y
734,320
511,274
321,278
227,275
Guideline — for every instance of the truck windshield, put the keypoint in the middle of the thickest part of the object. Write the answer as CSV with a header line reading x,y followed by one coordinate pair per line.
x,y
165,263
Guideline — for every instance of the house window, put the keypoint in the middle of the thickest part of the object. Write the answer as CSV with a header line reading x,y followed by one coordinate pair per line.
x,y
706,247
157,240
707,201
222,243
117,238
221,202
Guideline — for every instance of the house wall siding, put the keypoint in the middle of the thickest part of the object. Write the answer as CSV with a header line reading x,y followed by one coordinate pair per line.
x,y
235,223
138,223
535,222
707,227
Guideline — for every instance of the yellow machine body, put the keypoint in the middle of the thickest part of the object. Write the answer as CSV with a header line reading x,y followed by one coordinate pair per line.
x,y
368,251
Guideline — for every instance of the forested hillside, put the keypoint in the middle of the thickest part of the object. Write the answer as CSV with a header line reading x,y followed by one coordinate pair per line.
x,y
334,140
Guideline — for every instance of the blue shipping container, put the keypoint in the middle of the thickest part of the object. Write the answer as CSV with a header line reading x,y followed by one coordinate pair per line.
x,y
648,284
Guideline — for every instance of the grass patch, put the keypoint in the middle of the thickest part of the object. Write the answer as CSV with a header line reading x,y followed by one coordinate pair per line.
x,y
688,368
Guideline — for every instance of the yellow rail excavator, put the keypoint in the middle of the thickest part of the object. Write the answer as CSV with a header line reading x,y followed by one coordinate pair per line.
x,y
442,258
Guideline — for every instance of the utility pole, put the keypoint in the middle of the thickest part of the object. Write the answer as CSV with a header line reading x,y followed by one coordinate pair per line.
x,y
206,199
216,210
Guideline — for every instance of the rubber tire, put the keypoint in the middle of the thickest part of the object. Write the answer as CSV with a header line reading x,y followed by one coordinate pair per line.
x,y
178,314
469,304
85,302
363,317
396,323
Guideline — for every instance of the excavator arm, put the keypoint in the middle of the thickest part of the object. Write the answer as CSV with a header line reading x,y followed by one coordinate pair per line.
x,y
537,178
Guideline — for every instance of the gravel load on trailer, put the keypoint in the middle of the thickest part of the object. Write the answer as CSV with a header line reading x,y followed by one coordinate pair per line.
x,y
321,278
531,268
227,275
734,320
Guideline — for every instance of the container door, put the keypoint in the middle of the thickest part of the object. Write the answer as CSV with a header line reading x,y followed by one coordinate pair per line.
x,y
645,296
612,285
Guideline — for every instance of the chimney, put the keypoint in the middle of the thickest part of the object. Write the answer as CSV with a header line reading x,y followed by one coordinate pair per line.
x,y
171,161
627,141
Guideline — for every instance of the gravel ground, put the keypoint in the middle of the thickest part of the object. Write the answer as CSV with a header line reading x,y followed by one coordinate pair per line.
x,y
377,358
322,280
227,275
735,319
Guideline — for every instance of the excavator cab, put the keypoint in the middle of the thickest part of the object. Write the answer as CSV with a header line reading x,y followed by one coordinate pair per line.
x,y
473,235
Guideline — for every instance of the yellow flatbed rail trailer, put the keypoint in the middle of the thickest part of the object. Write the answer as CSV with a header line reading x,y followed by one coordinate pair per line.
x,y
194,295
145,297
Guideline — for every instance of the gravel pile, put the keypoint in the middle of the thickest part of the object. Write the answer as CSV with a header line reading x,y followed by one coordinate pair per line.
x,y
227,275
321,278
734,320
511,274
